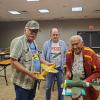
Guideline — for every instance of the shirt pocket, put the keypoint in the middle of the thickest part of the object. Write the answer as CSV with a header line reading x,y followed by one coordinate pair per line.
x,y
27,56
27,60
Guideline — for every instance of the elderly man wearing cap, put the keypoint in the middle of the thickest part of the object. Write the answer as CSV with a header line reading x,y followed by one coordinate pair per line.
x,y
22,51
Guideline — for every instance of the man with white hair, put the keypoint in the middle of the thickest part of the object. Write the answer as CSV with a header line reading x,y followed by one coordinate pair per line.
x,y
83,61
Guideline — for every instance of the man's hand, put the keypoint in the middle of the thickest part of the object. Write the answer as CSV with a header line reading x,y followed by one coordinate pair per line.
x,y
68,74
32,75
50,64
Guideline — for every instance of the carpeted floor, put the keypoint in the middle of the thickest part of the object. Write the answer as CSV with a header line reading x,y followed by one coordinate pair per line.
x,y
7,92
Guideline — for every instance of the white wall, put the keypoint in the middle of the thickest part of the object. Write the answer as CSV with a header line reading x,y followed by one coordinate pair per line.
x,y
9,30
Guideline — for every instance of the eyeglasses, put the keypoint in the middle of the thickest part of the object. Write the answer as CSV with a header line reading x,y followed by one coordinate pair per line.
x,y
34,31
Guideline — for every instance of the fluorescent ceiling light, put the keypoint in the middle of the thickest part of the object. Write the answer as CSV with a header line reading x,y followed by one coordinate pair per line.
x,y
76,8
33,0
14,12
43,10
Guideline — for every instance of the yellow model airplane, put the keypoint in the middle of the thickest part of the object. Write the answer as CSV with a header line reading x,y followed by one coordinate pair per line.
x,y
50,68
46,69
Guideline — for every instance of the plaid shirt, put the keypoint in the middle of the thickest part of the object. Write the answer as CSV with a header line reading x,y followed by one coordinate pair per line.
x,y
20,51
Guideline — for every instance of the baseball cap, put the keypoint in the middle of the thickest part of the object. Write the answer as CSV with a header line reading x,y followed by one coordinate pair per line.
x,y
32,24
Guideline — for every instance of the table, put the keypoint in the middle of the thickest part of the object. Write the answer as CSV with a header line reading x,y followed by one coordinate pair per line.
x,y
2,55
3,66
